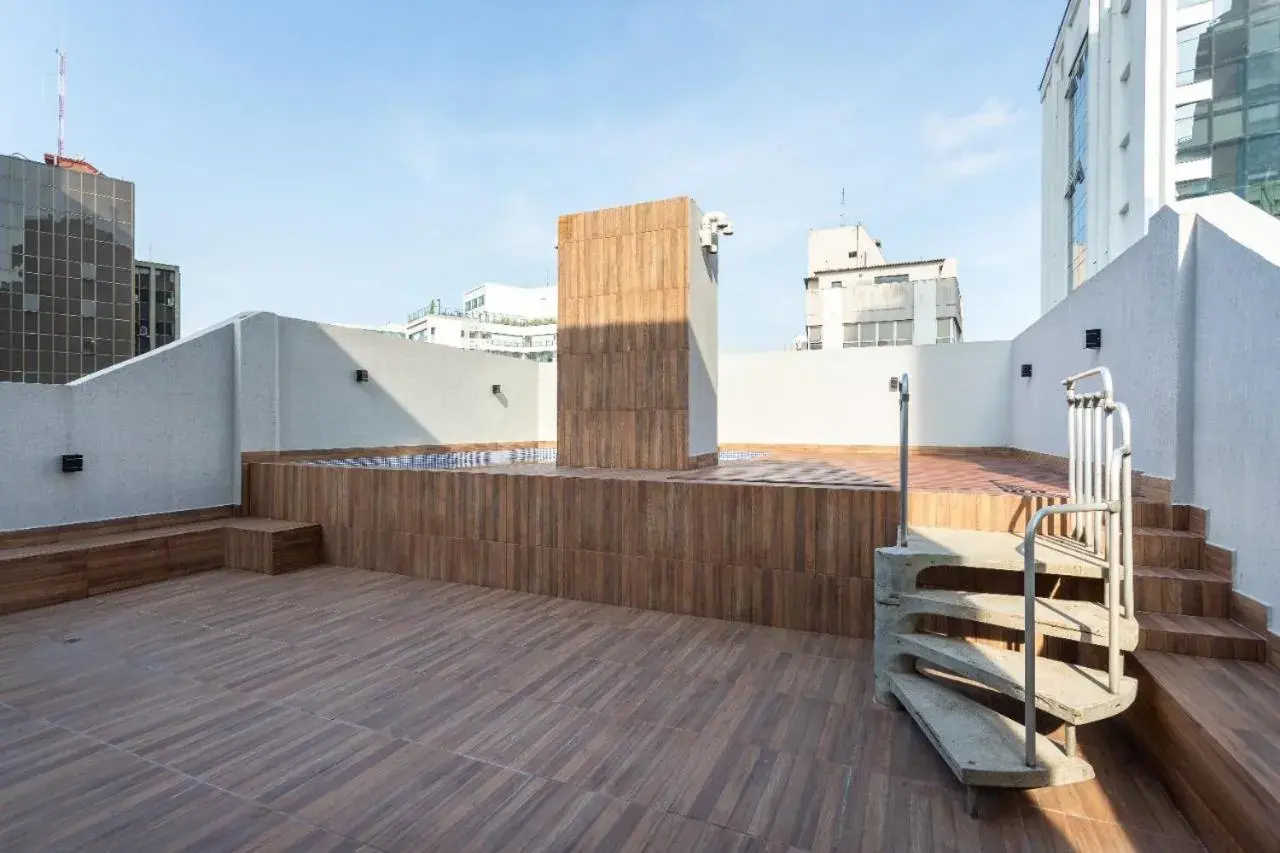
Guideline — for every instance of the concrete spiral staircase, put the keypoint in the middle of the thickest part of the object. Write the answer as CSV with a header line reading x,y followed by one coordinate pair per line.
x,y
934,653
928,673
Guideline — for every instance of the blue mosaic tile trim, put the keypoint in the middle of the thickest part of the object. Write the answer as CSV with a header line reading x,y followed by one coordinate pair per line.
x,y
477,459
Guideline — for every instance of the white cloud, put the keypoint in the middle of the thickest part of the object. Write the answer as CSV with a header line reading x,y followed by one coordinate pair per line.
x,y
971,143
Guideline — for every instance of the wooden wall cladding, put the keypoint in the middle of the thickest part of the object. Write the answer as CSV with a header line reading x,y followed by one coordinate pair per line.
x,y
623,337
272,547
788,556
38,575
53,572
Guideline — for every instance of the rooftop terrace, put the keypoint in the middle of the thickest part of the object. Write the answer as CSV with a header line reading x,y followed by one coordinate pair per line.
x,y
337,709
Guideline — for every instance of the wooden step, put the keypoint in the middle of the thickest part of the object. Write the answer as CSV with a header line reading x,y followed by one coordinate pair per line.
x,y
1189,592
1158,546
982,746
1200,636
1212,726
1070,692
1082,621
86,565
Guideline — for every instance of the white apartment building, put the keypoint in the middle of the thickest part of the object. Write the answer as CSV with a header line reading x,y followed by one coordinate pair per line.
x,y
515,321
854,297
1144,103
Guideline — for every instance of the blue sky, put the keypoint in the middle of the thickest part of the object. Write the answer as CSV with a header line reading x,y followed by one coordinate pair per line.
x,y
350,162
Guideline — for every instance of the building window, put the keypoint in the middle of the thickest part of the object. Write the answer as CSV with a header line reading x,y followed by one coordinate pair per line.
x,y
1077,198
903,332
896,278
850,334
837,283
948,333
814,334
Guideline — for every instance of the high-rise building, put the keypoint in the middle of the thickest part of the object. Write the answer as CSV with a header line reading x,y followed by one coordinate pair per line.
x,y
1146,102
856,298
157,304
501,318
66,269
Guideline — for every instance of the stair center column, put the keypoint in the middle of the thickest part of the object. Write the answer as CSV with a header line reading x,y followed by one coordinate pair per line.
x,y
636,347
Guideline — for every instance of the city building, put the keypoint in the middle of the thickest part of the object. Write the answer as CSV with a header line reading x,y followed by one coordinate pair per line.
x,y
157,304
854,297
66,269
1145,103
501,318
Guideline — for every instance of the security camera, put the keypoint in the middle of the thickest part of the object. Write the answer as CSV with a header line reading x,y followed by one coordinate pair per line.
x,y
713,225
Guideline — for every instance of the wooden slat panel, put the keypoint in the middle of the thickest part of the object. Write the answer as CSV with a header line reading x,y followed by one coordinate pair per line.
x,y
719,549
623,345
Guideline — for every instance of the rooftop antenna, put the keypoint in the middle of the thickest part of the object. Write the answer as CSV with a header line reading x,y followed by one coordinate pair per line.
x,y
842,206
62,104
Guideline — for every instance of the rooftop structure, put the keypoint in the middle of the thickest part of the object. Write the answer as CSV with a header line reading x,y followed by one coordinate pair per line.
x,y
356,590
501,318
1145,103
856,298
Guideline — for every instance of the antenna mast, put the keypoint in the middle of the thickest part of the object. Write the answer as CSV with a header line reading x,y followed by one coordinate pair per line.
x,y
62,103
842,206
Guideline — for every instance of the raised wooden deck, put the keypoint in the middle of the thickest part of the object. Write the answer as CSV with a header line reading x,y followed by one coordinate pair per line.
x,y
346,710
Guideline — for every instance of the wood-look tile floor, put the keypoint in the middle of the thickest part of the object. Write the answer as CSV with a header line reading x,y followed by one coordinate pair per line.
x,y
342,710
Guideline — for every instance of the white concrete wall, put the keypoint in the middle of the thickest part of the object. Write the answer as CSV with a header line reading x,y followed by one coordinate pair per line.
x,y
960,396
547,394
1141,303
163,432
704,347
156,434
418,393
1237,388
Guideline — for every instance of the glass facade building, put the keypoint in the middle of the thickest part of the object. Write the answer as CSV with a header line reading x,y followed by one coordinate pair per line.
x,y
155,304
1235,57
66,271
1077,194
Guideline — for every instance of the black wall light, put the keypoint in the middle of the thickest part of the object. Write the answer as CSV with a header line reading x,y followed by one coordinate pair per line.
x,y
1093,339
497,390
72,463
1026,371
362,375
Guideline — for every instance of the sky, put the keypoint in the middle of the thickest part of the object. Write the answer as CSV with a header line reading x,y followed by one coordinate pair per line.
x,y
351,162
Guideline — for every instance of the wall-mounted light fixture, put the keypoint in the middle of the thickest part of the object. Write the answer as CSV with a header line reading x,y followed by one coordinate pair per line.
x,y
497,390
893,383
362,375
72,463
1093,339
1026,371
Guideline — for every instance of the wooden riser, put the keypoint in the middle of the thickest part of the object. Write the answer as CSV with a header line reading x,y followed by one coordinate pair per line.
x,y
1210,726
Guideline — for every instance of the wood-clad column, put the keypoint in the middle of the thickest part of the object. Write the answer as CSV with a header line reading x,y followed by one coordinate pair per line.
x,y
637,339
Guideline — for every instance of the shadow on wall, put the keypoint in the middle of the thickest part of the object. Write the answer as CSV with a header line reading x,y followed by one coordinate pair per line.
x,y
415,393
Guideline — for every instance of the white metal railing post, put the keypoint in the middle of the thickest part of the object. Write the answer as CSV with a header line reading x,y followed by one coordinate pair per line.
x,y
904,399
1099,466
1072,406
1116,581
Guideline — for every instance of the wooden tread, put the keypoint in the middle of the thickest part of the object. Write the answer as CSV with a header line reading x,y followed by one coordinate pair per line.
x,y
1200,636
1212,727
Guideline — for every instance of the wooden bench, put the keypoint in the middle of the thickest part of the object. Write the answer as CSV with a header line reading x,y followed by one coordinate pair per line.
x,y
78,566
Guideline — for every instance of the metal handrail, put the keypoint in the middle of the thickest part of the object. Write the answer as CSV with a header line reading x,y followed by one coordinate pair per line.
x,y
1099,482
1029,634
904,398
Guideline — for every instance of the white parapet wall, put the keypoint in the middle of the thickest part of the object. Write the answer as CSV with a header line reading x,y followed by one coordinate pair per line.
x,y
1141,302
959,396
163,432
